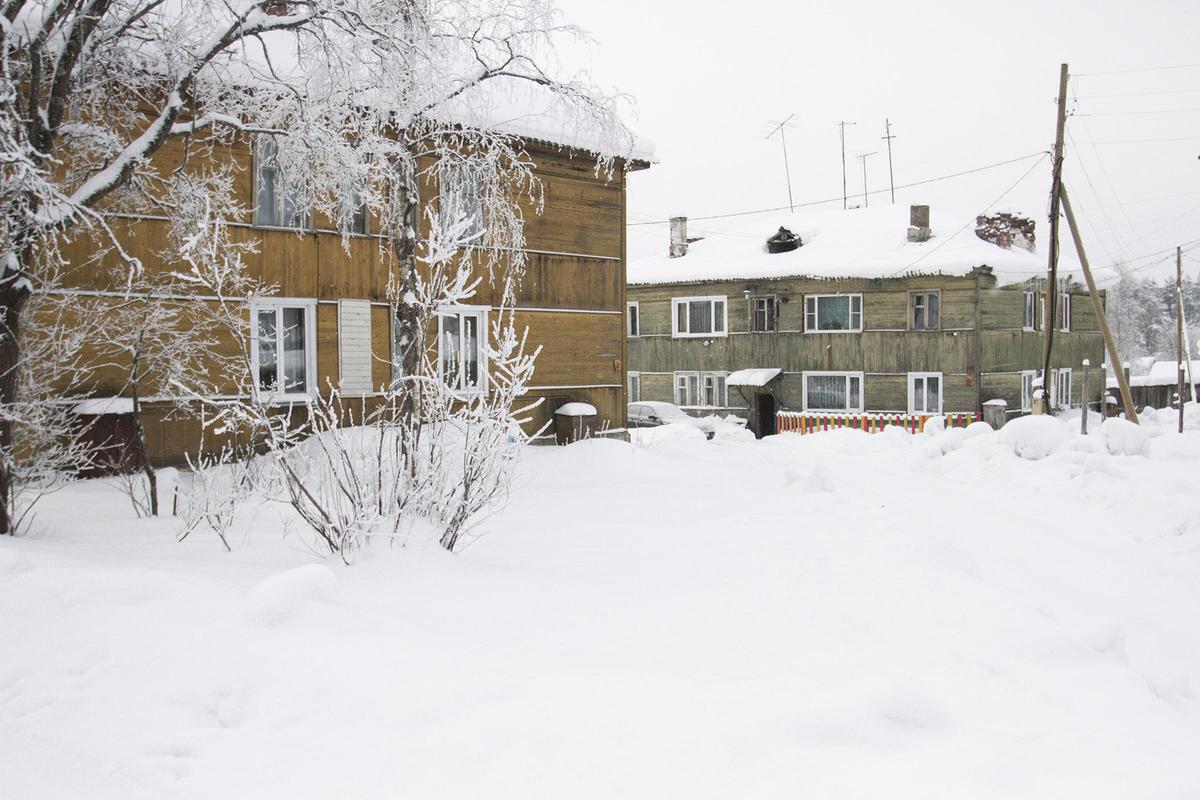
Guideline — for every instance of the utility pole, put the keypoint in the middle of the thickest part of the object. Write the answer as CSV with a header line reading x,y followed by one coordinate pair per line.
x,y
863,158
887,137
1110,344
842,134
1179,332
783,139
1052,266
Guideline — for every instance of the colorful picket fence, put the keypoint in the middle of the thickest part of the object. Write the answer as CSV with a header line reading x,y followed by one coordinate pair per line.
x,y
812,422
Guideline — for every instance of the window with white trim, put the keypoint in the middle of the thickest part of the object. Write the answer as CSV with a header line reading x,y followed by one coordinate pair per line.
x,y
633,381
460,197
1062,389
925,310
701,390
283,347
462,348
1029,320
633,319
698,316
275,204
762,314
1028,377
1064,312
825,313
833,391
924,392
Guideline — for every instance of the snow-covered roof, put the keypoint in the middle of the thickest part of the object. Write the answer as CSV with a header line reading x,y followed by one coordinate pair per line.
x,y
1162,373
759,376
862,243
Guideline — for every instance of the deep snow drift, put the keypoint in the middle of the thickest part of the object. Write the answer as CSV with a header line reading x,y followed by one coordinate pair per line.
x,y
840,615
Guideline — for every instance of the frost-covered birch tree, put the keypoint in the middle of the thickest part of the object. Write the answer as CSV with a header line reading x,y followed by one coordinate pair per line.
x,y
362,100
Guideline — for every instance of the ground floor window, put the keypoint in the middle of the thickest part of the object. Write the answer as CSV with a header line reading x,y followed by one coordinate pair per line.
x,y
1028,378
833,391
1062,388
924,392
284,349
703,389
462,354
634,382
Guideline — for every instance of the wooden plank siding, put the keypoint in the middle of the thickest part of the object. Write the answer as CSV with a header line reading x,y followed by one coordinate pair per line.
x,y
570,299
979,347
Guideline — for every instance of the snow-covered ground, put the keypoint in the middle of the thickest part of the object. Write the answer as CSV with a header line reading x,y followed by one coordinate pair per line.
x,y
840,615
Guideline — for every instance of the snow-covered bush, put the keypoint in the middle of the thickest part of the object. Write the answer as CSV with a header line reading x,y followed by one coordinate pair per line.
x,y
1124,438
1034,437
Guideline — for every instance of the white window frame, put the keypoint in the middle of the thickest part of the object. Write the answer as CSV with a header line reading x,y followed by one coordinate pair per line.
x,y
1028,378
1029,308
1064,312
676,302
772,317
1057,399
720,391
304,223
913,377
481,312
811,307
276,304
633,319
804,376
632,394
700,376
912,307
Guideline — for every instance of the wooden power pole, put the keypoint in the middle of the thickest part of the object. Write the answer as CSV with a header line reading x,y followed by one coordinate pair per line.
x,y
1179,333
1052,265
1110,344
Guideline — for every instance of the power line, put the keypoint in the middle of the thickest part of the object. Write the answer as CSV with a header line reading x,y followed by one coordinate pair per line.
x,y
1137,113
1147,141
1138,69
836,199
1134,94
971,221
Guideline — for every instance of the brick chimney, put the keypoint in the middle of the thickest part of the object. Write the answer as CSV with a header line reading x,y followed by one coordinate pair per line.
x,y
918,224
679,237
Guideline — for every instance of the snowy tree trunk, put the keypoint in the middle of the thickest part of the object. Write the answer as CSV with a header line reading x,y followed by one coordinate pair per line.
x,y
13,298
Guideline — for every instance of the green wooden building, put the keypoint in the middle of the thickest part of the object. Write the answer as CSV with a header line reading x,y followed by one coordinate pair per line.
x,y
858,313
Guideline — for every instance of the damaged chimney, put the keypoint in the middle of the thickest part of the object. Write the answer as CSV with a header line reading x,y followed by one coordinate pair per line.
x,y
918,224
1007,231
679,237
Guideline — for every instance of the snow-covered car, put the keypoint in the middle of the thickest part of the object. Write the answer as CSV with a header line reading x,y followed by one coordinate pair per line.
x,y
651,413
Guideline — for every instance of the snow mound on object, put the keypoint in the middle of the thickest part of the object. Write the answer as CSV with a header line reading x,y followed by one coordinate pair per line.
x,y
729,433
281,597
935,425
979,428
1034,437
1123,438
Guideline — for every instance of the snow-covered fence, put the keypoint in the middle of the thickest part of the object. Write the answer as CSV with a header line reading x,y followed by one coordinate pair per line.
x,y
809,422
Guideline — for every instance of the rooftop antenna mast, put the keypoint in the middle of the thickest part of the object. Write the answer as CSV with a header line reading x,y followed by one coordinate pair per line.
x,y
887,137
842,134
863,158
780,129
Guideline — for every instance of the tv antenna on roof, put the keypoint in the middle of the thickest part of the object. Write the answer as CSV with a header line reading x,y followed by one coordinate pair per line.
x,y
842,135
781,130
888,136
863,158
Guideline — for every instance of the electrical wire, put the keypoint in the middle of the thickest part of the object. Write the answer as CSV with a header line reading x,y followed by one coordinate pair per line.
x,y
1137,69
838,199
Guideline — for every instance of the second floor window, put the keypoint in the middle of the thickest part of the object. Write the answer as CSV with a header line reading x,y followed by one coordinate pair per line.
x,y
832,312
1029,322
926,311
1064,311
699,316
461,197
762,314
633,322
274,203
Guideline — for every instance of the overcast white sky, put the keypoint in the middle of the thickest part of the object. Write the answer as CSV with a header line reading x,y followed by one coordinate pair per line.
x,y
965,84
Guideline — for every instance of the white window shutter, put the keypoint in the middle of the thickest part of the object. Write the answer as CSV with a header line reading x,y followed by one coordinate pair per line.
x,y
354,347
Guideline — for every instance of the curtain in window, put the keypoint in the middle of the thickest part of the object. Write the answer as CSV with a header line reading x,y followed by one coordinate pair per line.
x,y
267,369
827,392
294,366
700,317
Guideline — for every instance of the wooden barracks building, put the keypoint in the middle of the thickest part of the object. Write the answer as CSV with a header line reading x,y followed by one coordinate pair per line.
x,y
572,298
855,313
